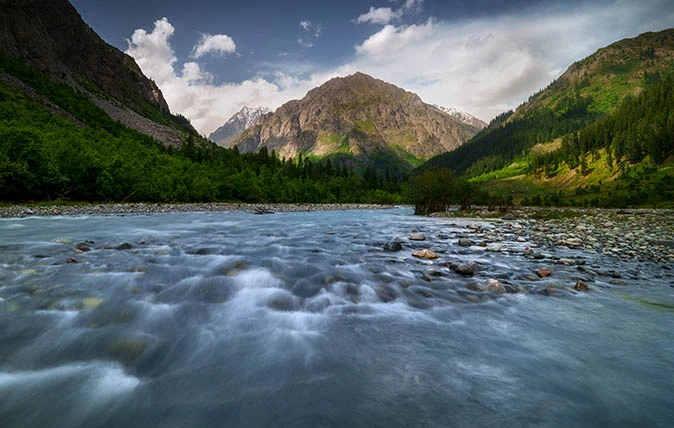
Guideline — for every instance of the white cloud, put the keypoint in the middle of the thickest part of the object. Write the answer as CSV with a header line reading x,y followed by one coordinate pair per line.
x,y
311,32
386,15
218,44
390,38
381,15
483,66
192,91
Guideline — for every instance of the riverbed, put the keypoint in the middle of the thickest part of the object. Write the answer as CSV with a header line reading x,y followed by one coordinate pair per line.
x,y
325,319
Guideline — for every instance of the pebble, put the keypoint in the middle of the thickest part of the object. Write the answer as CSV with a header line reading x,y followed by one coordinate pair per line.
x,y
417,237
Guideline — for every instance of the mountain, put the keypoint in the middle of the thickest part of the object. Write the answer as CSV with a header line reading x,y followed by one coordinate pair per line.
x,y
586,92
359,118
463,117
51,37
605,123
232,129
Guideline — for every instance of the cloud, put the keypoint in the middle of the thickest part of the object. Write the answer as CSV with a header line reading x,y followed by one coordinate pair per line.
x,y
391,38
381,15
311,33
218,44
192,91
483,66
386,15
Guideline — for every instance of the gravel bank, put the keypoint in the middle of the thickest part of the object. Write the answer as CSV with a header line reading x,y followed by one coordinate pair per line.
x,y
626,234
141,208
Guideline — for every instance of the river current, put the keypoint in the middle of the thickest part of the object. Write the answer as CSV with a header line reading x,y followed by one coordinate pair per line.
x,y
302,320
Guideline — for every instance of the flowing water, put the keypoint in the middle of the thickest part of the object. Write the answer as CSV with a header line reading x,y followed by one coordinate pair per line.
x,y
300,320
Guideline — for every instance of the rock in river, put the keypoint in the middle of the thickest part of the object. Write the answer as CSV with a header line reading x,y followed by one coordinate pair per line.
x,y
425,254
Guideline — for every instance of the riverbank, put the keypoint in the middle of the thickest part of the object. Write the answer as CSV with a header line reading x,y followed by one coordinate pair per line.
x,y
628,234
147,208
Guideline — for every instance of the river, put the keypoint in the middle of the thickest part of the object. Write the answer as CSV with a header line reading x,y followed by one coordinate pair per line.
x,y
301,320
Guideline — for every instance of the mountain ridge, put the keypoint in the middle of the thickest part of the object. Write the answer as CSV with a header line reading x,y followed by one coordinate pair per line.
x,y
51,37
357,116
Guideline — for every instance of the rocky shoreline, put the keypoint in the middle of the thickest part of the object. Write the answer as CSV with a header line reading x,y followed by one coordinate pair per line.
x,y
625,234
20,211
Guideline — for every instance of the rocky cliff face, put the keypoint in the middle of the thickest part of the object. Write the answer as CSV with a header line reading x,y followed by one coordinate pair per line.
x,y
232,129
50,36
360,116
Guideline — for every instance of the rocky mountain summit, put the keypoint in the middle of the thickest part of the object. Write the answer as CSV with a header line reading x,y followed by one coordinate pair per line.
x,y
232,129
358,117
51,37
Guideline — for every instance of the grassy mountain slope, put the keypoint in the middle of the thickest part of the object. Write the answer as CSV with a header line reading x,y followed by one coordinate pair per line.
x,y
601,134
586,92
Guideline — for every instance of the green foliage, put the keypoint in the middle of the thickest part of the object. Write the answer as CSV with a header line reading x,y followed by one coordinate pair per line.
x,y
435,190
44,156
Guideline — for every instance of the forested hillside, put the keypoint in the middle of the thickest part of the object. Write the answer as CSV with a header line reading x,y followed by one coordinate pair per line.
x,y
56,144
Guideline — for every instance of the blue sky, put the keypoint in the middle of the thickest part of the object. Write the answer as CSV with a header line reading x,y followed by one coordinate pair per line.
x,y
211,58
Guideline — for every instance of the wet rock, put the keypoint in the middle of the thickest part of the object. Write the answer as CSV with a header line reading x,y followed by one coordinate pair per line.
x,y
417,237
83,247
91,303
124,246
434,273
543,272
493,286
127,351
393,246
566,262
465,242
443,236
509,216
549,291
466,269
581,286
202,252
138,269
618,282
262,210
425,254
528,251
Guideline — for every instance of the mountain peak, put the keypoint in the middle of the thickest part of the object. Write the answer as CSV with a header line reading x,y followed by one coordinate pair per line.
x,y
244,118
359,117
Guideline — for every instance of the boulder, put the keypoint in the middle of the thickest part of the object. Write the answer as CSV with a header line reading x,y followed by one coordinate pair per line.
x,y
543,272
393,246
425,254
465,242
581,286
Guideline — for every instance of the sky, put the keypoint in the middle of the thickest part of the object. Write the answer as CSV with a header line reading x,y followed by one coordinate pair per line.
x,y
211,58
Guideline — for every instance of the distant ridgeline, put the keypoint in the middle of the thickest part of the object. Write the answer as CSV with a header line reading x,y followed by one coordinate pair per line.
x,y
601,134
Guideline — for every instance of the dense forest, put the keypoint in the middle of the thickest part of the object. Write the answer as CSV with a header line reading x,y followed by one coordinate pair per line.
x,y
67,148
643,126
